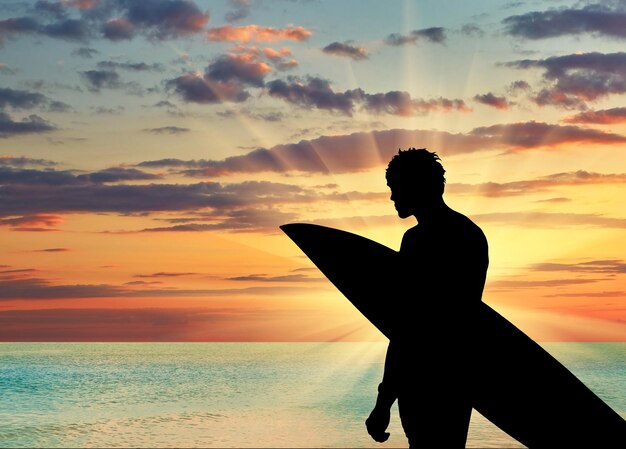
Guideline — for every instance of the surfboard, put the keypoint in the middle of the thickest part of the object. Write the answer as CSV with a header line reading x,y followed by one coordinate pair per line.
x,y
518,385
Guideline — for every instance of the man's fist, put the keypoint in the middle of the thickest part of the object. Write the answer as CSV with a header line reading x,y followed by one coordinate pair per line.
x,y
377,423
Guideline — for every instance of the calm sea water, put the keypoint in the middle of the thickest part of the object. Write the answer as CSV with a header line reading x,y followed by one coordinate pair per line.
x,y
226,394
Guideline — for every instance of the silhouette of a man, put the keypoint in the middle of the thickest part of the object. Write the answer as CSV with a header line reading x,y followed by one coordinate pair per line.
x,y
428,368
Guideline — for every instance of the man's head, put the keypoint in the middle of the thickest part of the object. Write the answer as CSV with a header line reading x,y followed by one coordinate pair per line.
x,y
416,179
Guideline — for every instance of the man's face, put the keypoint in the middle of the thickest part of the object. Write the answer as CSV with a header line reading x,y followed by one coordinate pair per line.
x,y
404,199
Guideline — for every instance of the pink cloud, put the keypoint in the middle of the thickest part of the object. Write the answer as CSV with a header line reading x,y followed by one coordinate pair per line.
x,y
257,33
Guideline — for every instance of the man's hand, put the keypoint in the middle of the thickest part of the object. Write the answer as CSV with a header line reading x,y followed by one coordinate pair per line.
x,y
377,423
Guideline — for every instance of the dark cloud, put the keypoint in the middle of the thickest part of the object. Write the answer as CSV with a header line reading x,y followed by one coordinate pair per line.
x,y
112,19
519,85
346,49
21,99
492,100
33,124
12,287
33,223
613,266
318,93
603,294
538,185
22,161
526,135
196,88
32,198
99,79
164,274
595,19
56,10
68,29
52,250
507,285
283,278
163,19
241,10
228,68
136,324
168,130
436,35
239,220
577,78
472,30
601,117
85,52
117,174
224,80
132,66
118,29
549,220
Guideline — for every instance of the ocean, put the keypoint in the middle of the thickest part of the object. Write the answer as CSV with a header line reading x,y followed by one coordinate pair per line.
x,y
227,394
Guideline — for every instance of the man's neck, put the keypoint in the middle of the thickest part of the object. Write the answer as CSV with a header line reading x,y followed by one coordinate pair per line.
x,y
432,213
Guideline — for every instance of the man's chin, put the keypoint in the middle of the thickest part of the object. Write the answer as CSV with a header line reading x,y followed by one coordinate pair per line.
x,y
403,214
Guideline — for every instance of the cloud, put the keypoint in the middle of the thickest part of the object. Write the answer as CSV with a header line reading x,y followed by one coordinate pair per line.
x,y
612,266
168,130
538,185
36,198
602,117
52,250
603,294
164,274
492,100
283,278
99,79
101,324
22,161
239,68
595,19
132,66
471,30
33,124
314,92
362,151
549,220
117,174
198,88
157,19
527,135
85,52
280,60
113,19
506,285
225,80
241,10
12,287
436,35
577,78
346,49
136,324
257,33
38,222
237,220
21,99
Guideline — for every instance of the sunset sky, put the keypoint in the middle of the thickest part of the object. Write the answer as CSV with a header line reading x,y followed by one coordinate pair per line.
x,y
150,149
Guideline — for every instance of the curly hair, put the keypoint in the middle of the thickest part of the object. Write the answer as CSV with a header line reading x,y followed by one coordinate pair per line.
x,y
418,166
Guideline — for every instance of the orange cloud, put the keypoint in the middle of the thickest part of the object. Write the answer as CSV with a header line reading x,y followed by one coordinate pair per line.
x,y
257,33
